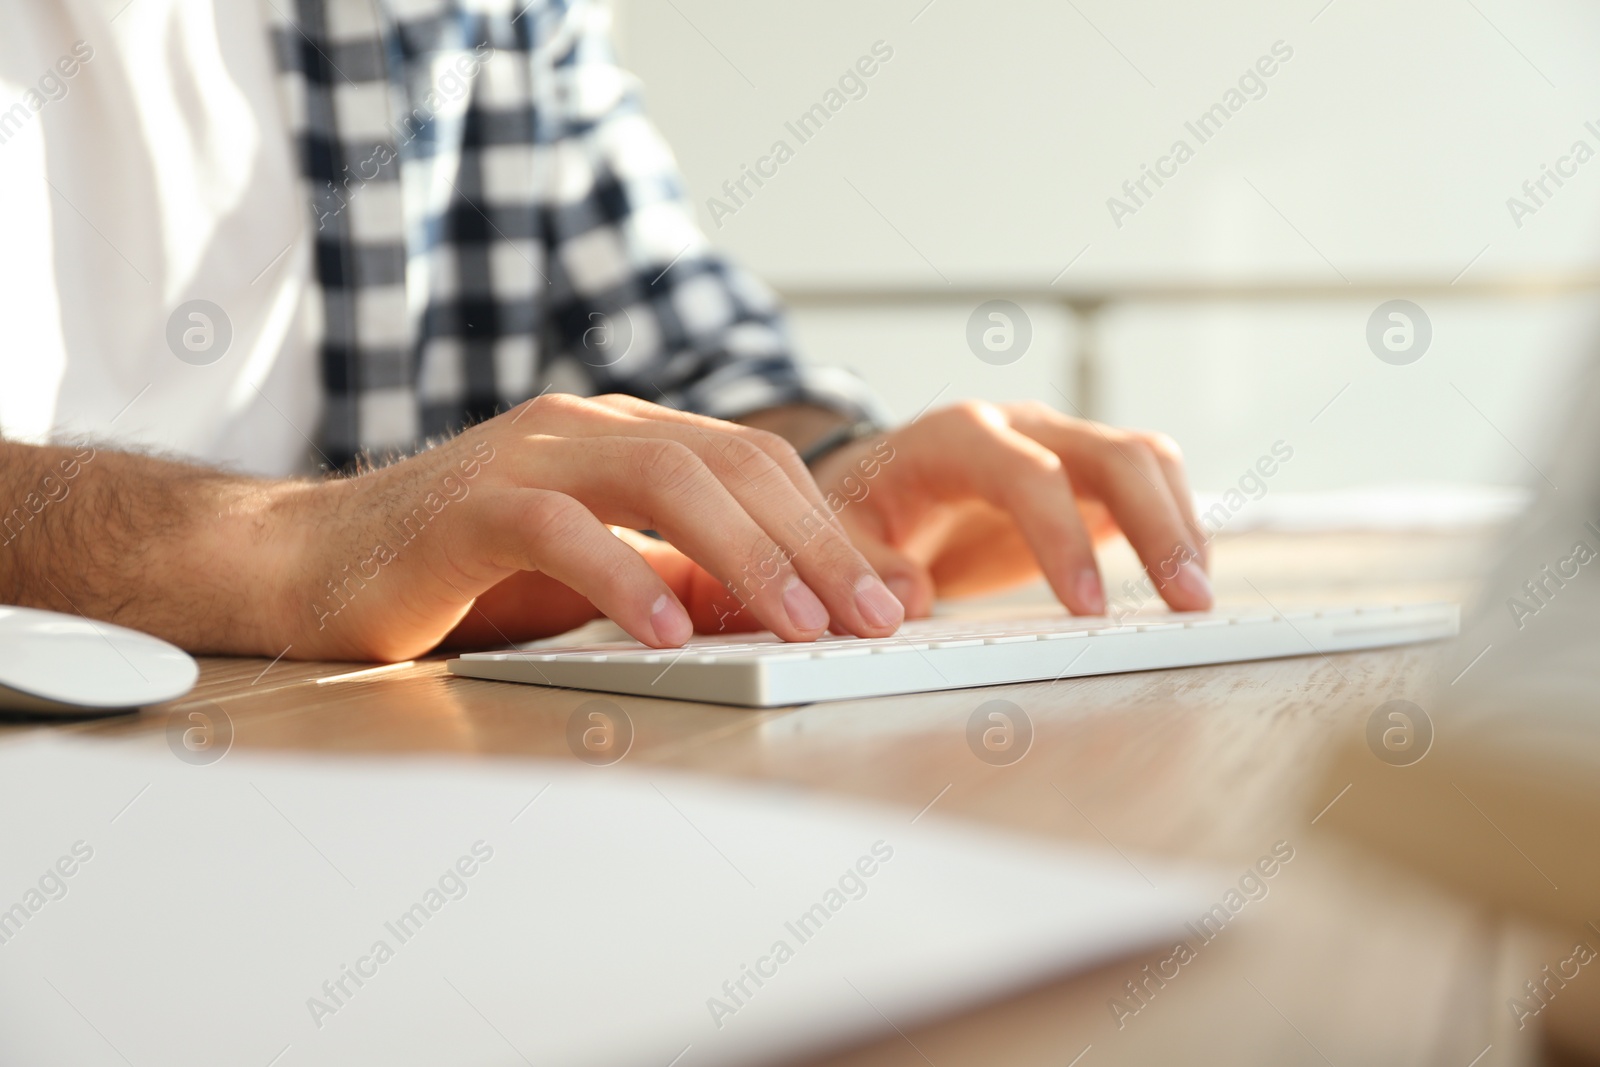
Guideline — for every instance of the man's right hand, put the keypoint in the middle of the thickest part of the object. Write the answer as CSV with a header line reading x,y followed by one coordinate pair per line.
x,y
388,564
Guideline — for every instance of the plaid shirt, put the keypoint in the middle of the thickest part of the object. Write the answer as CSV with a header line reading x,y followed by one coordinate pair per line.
x,y
495,217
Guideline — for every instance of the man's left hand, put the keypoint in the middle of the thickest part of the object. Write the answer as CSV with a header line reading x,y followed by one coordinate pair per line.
x,y
977,497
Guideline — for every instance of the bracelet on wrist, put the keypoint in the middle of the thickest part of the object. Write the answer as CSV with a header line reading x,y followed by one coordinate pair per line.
x,y
836,439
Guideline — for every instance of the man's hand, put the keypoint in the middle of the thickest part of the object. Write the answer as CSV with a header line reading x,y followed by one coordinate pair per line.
x,y
505,533
516,511
500,534
976,497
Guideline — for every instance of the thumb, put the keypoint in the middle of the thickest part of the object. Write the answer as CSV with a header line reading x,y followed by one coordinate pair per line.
x,y
907,579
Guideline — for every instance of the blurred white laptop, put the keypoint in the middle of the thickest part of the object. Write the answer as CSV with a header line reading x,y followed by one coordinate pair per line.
x,y
1532,640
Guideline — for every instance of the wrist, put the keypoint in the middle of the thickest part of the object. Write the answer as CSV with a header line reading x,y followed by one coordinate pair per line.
x,y
237,565
847,473
839,437
266,539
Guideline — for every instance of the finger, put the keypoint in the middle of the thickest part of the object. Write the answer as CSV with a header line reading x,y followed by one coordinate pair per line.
x,y
549,532
1136,491
1122,471
676,569
1170,457
577,417
1026,480
809,533
788,508
907,579
662,485
711,607
736,453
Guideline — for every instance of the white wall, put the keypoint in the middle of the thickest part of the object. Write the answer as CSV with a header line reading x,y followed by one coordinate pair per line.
x,y
983,153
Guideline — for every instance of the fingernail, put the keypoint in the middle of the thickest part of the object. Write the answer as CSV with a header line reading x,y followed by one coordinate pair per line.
x,y
670,622
804,609
1091,594
904,590
878,605
1194,583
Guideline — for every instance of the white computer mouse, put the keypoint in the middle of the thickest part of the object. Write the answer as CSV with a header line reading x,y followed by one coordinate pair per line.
x,y
52,663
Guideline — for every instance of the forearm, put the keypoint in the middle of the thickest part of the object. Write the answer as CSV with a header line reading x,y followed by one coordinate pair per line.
x,y
177,550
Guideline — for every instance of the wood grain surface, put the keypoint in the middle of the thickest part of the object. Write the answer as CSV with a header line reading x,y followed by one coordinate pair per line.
x,y
1346,961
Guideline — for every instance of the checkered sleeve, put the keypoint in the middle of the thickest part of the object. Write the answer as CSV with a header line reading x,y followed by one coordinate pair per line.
x,y
639,301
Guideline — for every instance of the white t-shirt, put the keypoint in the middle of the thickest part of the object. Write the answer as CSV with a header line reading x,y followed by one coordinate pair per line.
x,y
145,163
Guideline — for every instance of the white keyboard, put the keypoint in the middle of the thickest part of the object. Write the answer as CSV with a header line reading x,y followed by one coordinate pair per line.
x,y
759,670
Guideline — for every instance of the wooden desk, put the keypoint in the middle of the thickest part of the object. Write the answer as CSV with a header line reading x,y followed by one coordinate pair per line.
x,y
1344,962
